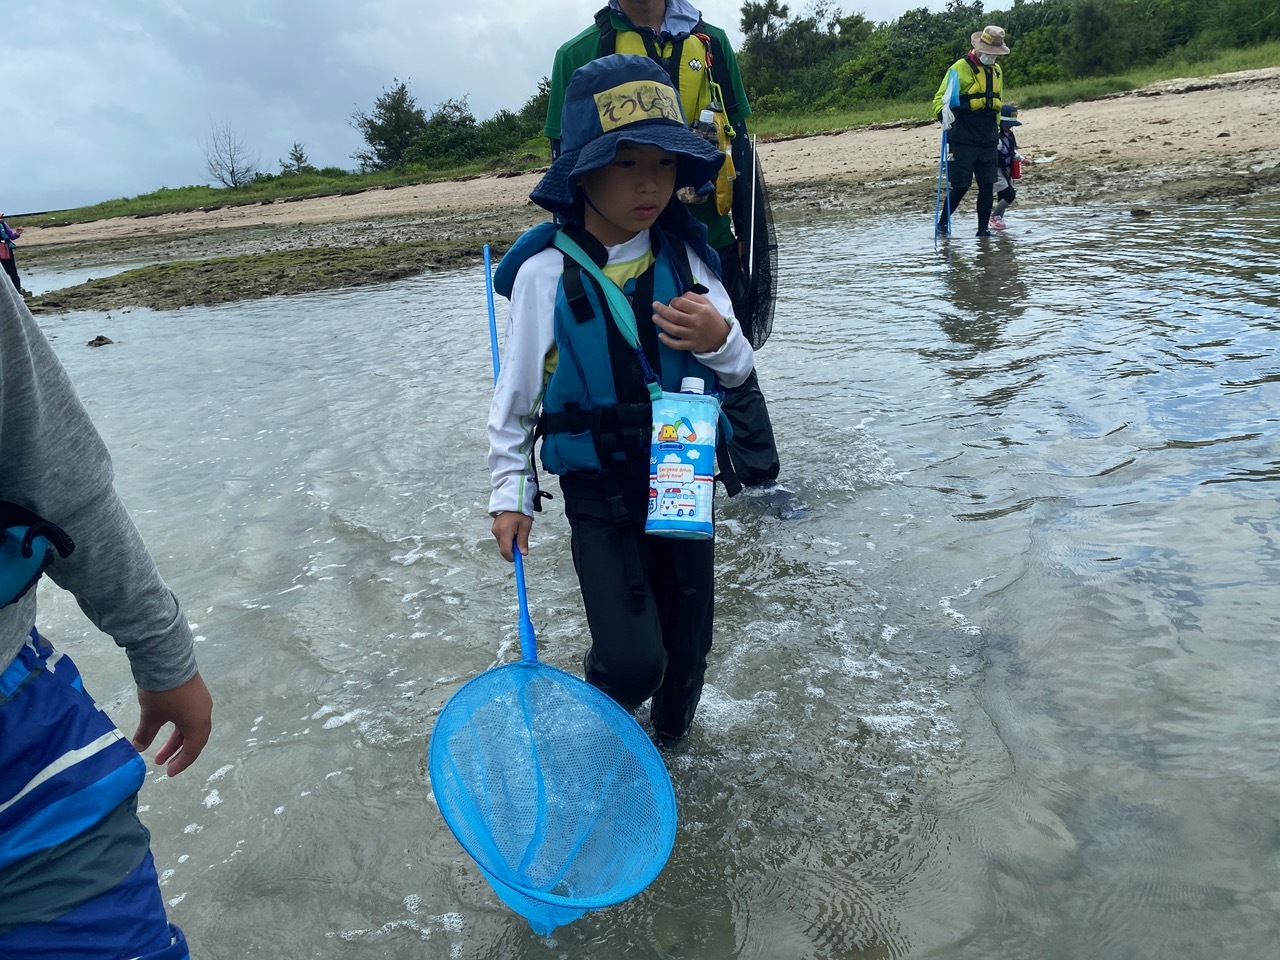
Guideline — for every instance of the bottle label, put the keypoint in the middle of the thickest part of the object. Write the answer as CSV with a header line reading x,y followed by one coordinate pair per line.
x,y
682,466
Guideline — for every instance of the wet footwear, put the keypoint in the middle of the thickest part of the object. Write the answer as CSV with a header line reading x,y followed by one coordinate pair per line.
x,y
778,500
997,223
667,743
984,233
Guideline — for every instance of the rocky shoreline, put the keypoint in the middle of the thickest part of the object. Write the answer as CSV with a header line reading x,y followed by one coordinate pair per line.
x,y
1180,141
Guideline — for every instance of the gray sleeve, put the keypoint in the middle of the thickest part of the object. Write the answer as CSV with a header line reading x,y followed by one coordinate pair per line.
x,y
53,461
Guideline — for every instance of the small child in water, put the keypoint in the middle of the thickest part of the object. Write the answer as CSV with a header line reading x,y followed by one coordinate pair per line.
x,y
1008,165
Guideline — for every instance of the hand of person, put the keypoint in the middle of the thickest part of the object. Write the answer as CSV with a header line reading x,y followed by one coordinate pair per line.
x,y
512,526
690,322
189,708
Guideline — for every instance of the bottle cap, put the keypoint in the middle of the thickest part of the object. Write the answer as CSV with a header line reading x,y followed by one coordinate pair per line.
x,y
691,385
708,117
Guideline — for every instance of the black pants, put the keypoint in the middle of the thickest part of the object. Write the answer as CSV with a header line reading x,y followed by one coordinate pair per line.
x,y
650,603
752,447
11,268
966,164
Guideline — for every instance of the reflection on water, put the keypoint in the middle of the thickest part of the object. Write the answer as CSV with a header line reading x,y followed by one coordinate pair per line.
x,y
43,278
1008,688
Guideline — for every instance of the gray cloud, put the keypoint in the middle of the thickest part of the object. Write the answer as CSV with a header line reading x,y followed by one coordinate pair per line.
x,y
115,100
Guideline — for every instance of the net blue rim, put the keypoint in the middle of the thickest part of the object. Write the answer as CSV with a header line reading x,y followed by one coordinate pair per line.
x,y
668,825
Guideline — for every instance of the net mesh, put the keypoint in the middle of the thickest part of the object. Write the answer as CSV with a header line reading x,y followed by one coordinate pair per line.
x,y
761,266
553,789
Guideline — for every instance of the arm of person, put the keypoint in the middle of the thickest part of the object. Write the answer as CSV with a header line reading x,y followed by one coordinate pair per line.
x,y
940,98
56,464
517,397
704,323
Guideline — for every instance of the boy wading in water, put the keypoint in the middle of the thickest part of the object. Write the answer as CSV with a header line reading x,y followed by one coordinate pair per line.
x,y
578,376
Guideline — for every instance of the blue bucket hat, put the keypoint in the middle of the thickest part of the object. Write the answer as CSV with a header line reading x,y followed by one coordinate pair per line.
x,y
621,99
1009,115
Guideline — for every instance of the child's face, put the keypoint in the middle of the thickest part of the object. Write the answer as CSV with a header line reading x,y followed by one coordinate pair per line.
x,y
628,195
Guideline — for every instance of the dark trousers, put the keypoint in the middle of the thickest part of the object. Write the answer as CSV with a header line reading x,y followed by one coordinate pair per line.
x,y
966,164
11,268
650,603
752,446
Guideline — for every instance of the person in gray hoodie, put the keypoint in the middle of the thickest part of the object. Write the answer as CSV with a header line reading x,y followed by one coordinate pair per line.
x,y
76,871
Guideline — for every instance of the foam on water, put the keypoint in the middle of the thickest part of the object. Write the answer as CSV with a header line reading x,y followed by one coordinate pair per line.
x,y
960,702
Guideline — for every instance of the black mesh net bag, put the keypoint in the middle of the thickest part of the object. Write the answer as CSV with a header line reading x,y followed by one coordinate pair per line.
x,y
759,263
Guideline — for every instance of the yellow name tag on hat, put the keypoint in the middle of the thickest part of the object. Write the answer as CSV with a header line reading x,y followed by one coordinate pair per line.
x,y
637,100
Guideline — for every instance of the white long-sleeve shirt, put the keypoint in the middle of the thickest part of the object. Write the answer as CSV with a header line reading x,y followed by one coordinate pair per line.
x,y
529,356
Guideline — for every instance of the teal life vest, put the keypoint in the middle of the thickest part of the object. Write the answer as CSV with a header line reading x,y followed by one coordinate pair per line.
x,y
596,408
28,544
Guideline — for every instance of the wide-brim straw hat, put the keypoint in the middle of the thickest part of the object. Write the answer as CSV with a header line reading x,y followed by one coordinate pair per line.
x,y
614,100
990,39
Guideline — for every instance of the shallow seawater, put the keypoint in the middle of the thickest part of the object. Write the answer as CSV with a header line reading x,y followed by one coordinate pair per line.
x,y
1004,687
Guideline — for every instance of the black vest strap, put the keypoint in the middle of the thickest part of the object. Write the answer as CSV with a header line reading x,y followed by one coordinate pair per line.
x,y
16,515
608,36
719,70
22,559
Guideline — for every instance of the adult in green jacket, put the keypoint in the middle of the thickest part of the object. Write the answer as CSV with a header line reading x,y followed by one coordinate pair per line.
x,y
673,34
968,106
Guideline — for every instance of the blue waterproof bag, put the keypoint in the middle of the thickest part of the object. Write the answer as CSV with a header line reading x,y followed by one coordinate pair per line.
x,y
28,544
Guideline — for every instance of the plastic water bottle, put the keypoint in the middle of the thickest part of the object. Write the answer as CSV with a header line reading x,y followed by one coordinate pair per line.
x,y
692,385
707,129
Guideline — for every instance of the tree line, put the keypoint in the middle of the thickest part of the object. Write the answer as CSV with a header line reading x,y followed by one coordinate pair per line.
x,y
825,59
822,59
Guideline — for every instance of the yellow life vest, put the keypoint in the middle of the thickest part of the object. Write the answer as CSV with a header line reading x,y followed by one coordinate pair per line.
x,y
973,87
697,93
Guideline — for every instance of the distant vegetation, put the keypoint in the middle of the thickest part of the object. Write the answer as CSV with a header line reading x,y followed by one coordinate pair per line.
x,y
817,71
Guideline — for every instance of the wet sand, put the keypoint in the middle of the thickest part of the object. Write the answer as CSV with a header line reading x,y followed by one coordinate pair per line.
x,y
1180,140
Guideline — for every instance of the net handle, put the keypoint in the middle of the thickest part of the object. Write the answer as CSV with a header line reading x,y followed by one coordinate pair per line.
x,y
528,639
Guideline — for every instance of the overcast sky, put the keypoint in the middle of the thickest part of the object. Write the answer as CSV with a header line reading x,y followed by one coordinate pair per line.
x,y
116,99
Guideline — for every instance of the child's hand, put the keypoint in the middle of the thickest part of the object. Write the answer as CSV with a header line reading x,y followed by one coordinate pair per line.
x,y
189,708
512,526
690,322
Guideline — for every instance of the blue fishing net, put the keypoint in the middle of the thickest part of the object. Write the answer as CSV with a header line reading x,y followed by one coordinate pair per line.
x,y
552,788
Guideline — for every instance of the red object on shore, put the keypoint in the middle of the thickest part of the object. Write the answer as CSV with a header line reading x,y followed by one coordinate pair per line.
x,y
1017,168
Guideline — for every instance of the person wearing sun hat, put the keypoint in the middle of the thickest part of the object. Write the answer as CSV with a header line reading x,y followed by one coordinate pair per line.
x,y
578,375
704,71
1007,163
968,105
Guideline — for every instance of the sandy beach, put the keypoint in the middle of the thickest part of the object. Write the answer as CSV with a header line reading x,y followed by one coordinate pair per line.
x,y
1189,139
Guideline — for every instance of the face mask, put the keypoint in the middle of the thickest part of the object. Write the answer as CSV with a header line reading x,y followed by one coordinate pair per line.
x,y
987,59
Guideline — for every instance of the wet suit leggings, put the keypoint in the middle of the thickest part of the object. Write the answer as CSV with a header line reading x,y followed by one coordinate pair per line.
x,y
969,163
11,268
986,199
649,602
